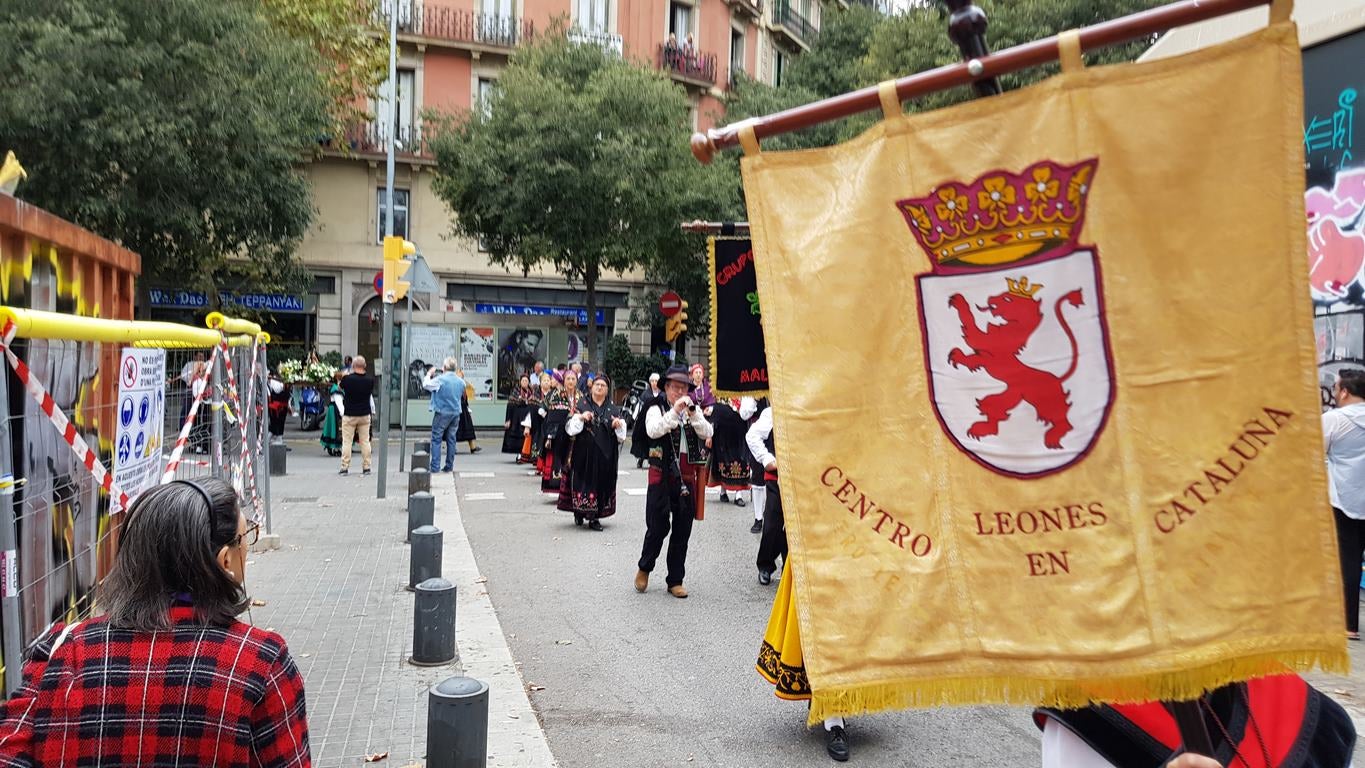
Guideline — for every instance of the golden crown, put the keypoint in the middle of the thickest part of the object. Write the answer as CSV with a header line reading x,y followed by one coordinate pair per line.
x,y
1022,287
1001,216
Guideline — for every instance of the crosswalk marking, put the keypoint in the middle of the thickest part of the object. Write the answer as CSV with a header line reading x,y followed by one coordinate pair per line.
x,y
636,491
499,496
476,474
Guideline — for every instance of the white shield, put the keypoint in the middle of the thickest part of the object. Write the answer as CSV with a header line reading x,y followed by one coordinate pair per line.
x,y
1018,395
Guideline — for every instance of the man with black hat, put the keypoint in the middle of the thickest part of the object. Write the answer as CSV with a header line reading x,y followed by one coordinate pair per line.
x,y
677,432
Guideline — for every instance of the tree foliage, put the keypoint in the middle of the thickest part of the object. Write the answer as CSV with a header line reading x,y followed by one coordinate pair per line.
x,y
580,164
174,128
352,47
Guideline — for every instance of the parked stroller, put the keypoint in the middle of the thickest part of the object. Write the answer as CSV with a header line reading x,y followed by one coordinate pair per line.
x,y
311,407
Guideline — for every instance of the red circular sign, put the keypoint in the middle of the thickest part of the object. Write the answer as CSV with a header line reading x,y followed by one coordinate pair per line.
x,y
379,282
670,304
129,371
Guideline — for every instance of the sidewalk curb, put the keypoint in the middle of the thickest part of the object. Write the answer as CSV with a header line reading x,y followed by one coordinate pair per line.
x,y
515,737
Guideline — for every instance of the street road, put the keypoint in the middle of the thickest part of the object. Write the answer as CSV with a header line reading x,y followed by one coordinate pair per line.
x,y
650,680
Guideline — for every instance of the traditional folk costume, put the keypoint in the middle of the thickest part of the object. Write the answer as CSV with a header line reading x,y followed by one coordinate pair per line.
x,y
589,485
516,411
278,406
1270,722
639,440
758,491
677,463
465,433
780,660
331,422
537,427
530,413
555,448
730,457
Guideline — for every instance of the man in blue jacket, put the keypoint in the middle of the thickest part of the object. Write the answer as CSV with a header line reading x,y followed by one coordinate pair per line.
x,y
446,388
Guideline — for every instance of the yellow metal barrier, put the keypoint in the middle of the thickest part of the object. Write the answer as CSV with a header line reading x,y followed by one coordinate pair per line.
x,y
37,324
220,322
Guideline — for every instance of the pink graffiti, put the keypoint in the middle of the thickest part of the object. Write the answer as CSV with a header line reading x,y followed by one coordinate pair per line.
x,y
1336,242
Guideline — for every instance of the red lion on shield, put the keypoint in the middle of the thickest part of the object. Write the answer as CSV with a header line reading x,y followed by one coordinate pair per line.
x,y
997,349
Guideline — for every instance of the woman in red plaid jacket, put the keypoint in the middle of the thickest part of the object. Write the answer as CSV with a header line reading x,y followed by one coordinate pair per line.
x,y
167,675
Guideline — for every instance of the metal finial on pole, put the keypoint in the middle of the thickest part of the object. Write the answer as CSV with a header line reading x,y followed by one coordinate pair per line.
x,y
967,27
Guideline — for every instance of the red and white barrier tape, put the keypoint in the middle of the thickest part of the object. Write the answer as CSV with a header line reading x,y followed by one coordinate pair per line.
x,y
64,426
250,466
174,463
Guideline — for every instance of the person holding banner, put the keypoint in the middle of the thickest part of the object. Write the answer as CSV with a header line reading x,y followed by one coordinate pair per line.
x,y
517,403
596,431
556,445
677,433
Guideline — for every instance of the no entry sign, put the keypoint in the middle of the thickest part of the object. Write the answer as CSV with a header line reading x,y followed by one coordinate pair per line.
x,y
670,304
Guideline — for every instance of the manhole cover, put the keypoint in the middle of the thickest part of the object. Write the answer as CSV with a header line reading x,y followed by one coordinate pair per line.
x,y
299,499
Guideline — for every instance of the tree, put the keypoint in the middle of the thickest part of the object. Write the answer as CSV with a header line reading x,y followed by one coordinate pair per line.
x,y
174,128
833,64
353,49
579,163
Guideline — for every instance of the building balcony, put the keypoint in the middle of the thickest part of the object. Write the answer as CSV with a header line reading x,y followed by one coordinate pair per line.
x,y
456,27
752,8
789,22
610,42
688,67
370,141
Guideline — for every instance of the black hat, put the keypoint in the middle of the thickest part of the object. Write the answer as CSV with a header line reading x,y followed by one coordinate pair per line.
x,y
679,373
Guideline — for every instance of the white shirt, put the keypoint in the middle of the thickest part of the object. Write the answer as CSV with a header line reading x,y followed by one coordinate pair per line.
x,y
662,419
757,436
576,424
1343,439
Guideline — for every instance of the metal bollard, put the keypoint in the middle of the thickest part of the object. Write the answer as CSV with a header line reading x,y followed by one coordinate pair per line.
x,y
421,511
425,559
457,724
419,479
433,623
422,445
420,458
279,456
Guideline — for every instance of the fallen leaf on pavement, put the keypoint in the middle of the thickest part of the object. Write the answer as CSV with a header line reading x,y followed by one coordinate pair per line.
x,y
563,642
481,580
376,757
534,687
258,603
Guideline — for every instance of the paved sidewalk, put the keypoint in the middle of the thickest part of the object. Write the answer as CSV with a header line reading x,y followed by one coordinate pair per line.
x,y
335,591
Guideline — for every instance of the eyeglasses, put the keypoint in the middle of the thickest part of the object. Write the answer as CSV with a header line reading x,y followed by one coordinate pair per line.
x,y
249,537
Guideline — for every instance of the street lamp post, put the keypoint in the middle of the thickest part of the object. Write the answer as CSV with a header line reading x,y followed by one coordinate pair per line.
x,y
386,332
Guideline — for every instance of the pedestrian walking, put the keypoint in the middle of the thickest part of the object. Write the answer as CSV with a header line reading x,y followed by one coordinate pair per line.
x,y
758,491
773,543
639,441
465,433
517,405
357,394
730,457
1343,435
168,672
202,429
677,432
278,405
447,392
596,431
562,403
536,424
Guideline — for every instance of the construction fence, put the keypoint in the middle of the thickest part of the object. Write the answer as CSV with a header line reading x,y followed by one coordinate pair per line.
x,y
97,411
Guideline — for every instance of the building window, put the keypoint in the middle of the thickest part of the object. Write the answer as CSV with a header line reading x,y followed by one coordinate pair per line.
x,y
780,70
736,54
501,9
324,285
680,21
396,119
485,95
591,16
400,214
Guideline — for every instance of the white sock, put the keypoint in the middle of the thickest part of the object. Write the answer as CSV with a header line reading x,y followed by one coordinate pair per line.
x,y
830,722
759,496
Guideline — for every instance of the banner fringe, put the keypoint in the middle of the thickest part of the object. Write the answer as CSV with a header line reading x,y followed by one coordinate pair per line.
x,y
1179,685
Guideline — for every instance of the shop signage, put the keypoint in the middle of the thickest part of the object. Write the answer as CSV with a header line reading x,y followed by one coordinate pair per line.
x,y
526,309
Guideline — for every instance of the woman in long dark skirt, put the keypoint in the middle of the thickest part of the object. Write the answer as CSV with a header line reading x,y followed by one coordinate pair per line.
x,y
730,456
596,431
536,429
512,431
465,432
556,445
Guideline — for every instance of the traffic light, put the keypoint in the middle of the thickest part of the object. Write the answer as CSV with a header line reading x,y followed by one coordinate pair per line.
x,y
395,266
676,325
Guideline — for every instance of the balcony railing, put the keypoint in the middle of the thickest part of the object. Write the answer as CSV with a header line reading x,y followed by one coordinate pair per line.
x,y
610,42
792,21
373,138
752,7
689,65
454,24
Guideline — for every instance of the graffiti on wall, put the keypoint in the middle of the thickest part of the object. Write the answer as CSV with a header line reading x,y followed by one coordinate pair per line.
x,y
1334,154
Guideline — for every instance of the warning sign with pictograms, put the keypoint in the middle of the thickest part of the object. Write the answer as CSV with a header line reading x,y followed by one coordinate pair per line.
x,y
141,416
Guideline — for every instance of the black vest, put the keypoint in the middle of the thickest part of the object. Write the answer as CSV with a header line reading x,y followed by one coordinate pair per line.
x,y
663,451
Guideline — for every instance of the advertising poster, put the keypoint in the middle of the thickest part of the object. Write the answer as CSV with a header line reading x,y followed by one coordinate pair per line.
x,y
476,358
141,416
518,351
428,347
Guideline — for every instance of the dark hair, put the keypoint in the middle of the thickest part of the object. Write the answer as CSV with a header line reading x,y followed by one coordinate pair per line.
x,y
1352,380
169,545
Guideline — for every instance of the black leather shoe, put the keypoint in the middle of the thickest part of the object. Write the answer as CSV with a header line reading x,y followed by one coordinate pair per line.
x,y
640,464
836,743
757,527
577,519
594,525
765,577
